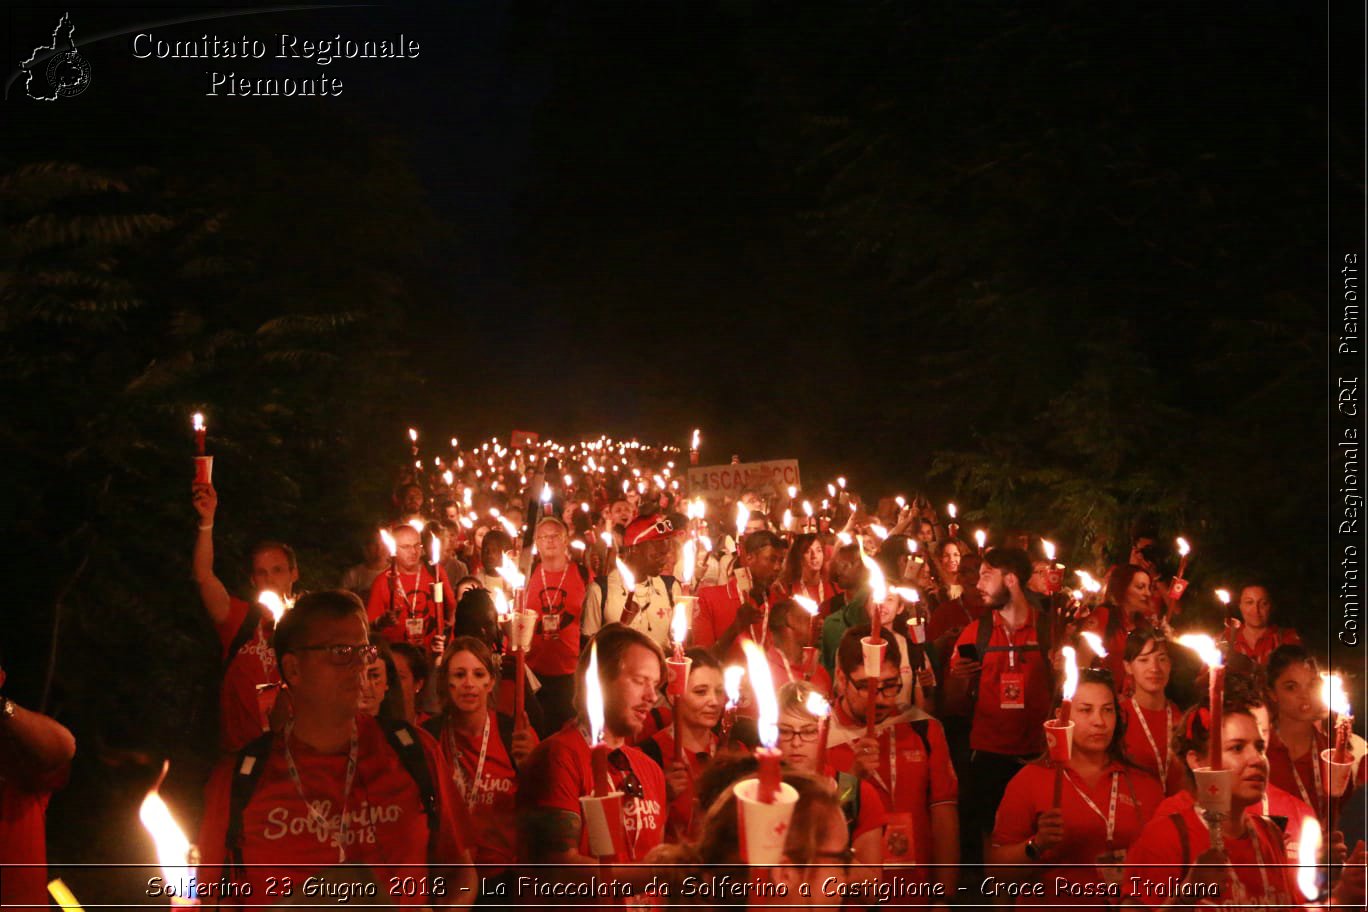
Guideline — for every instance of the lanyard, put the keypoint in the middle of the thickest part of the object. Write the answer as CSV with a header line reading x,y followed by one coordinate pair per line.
x,y
892,765
1110,817
410,604
314,813
788,670
1258,862
458,774
821,591
560,583
1315,769
1168,731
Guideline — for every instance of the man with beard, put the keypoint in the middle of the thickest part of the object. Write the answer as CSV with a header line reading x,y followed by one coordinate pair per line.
x,y
559,772
1001,668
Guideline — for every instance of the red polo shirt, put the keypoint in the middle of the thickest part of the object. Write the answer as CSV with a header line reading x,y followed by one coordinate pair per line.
x,y
1014,690
717,607
1147,743
240,710
1263,647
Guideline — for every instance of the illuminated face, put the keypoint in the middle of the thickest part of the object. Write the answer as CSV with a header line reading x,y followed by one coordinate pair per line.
x,y
926,533
413,500
703,702
469,682
1138,594
856,691
1244,755
408,550
451,514
317,678
630,698
950,559
814,557
764,566
1151,668
798,734
991,587
1094,717
374,683
551,541
1255,606
271,570
1296,693
1040,577
621,511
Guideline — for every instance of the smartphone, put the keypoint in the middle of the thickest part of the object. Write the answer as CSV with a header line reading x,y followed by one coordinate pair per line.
x,y
968,652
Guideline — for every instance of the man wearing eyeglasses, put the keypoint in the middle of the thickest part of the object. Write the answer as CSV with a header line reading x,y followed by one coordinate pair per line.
x,y
907,762
559,772
247,694
334,786
648,546
401,605
739,607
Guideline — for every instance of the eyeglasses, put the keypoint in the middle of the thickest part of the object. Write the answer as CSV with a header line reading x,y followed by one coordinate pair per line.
x,y
805,735
887,688
630,785
344,653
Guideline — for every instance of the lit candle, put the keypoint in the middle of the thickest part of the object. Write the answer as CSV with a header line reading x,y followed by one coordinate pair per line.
x,y
1094,643
630,609
679,673
1336,700
981,539
518,634
809,524
874,649
437,582
693,447
593,705
1308,858
1183,550
688,563
1063,749
814,634
1205,647
818,706
173,849
731,684
197,422
768,754
274,604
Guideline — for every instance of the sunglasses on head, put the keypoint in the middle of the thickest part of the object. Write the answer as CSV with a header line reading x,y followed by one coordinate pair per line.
x,y
631,786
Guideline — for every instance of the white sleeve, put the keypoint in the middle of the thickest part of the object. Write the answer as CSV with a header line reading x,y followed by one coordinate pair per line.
x,y
592,618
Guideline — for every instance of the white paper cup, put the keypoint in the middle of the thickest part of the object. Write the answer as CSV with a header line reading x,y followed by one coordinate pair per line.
x,y
204,470
603,820
1059,740
917,630
874,656
1213,789
764,827
678,675
522,628
1337,774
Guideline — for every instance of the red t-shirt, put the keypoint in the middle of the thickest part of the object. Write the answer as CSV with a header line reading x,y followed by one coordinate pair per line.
x,y
1014,690
1305,777
559,599
1263,647
1031,793
1147,743
717,607
559,772
386,827
679,825
782,671
243,716
950,616
412,617
23,836
491,802
1258,858
915,774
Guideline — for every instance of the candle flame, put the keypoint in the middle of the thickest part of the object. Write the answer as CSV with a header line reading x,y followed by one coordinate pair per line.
x,y
577,545
501,604
1183,547
197,421
878,586
900,501
1094,643
706,542
844,538
448,478
679,624
693,445
817,706
389,543
510,573
625,574
980,537
1087,580
840,482
417,525
545,494
878,530
742,517
1334,696
952,510
807,508
593,696
1308,858
911,546
731,683
273,603
909,595
807,604
173,849
831,490
1049,548
688,561
413,435
436,550
1224,596
511,529
792,491
1070,672
453,443
1204,646
757,666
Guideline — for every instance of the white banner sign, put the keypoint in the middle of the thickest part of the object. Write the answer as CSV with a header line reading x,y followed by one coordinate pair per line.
x,y
769,479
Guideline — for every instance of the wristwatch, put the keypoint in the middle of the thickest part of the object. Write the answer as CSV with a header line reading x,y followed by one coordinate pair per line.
x,y
1032,850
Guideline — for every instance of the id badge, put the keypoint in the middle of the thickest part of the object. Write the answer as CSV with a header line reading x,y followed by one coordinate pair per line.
x,y
899,847
266,697
413,628
550,623
1012,690
1110,865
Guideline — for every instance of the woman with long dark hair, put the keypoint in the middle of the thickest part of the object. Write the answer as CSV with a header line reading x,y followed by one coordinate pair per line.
x,y
1148,714
805,570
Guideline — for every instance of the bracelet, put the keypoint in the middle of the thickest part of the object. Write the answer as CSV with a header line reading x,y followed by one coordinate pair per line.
x,y
206,527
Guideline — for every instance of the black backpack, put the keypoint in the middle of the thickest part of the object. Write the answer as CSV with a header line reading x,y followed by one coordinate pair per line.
x,y
251,760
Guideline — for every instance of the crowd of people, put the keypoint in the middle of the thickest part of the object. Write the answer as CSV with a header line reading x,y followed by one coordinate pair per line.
x,y
391,723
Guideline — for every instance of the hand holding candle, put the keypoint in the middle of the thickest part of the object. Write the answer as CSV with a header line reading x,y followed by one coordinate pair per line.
x,y
204,465
437,584
173,849
1059,731
678,671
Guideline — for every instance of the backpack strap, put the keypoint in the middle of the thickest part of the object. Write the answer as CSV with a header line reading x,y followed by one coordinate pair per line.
x,y
651,748
244,634
923,728
403,738
1184,843
251,760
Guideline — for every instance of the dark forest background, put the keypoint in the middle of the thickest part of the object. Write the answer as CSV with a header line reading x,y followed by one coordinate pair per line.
x,y
1063,268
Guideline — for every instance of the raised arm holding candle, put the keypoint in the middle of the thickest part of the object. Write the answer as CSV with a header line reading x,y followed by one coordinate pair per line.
x,y
204,465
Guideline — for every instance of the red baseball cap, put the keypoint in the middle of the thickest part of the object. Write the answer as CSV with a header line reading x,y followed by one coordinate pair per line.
x,y
648,528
